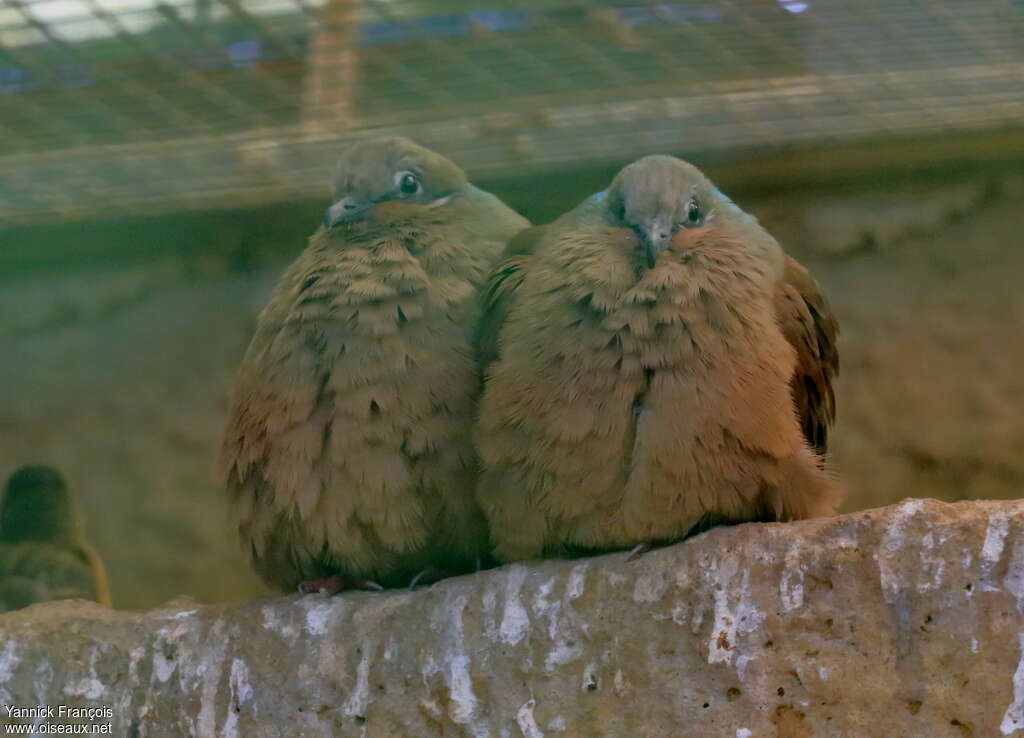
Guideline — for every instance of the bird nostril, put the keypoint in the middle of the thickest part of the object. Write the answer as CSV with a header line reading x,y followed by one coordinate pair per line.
x,y
349,206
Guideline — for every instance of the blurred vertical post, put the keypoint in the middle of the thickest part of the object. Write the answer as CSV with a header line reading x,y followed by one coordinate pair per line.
x,y
331,68
203,8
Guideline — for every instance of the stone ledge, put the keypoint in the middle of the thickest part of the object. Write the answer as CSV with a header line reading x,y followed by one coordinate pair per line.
x,y
905,620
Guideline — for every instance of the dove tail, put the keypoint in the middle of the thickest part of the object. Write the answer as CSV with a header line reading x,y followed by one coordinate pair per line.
x,y
805,489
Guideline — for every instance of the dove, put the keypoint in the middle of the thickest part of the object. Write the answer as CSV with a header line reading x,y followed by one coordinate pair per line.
x,y
653,362
348,456
43,552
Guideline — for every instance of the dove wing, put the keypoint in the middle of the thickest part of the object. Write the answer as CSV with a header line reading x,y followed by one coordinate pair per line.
x,y
498,293
807,323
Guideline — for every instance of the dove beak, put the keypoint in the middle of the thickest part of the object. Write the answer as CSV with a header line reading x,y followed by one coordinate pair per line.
x,y
654,238
346,210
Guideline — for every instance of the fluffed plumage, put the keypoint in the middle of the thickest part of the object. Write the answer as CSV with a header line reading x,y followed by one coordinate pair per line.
x,y
348,450
654,361
43,552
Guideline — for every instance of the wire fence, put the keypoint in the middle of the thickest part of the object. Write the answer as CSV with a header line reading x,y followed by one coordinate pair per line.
x,y
111,106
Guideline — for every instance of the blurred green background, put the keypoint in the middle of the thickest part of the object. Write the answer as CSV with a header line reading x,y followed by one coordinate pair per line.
x,y
162,162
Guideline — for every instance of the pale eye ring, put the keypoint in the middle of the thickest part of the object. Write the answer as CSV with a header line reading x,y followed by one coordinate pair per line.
x,y
694,216
408,183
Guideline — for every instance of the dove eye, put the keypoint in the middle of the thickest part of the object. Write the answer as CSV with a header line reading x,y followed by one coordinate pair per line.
x,y
408,183
694,216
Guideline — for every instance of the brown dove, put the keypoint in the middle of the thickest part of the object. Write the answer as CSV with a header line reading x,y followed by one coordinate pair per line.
x,y
654,362
43,552
348,452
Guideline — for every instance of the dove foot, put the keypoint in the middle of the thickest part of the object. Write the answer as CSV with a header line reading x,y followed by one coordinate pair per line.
x,y
336,584
639,551
428,576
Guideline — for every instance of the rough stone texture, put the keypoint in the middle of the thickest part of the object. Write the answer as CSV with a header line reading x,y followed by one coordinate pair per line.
x,y
906,620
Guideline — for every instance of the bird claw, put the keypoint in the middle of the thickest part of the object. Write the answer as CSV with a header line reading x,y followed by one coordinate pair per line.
x,y
639,551
336,584
430,575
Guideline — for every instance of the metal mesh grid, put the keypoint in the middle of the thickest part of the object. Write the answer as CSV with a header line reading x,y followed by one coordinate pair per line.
x,y
121,105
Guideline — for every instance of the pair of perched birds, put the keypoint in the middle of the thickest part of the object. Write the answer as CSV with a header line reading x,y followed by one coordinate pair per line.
x,y
434,381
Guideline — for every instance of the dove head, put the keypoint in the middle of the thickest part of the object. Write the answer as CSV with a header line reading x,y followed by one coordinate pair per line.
x,y
392,172
657,197
37,506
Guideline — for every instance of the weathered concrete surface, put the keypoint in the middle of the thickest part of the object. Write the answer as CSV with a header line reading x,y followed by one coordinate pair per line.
x,y
901,621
